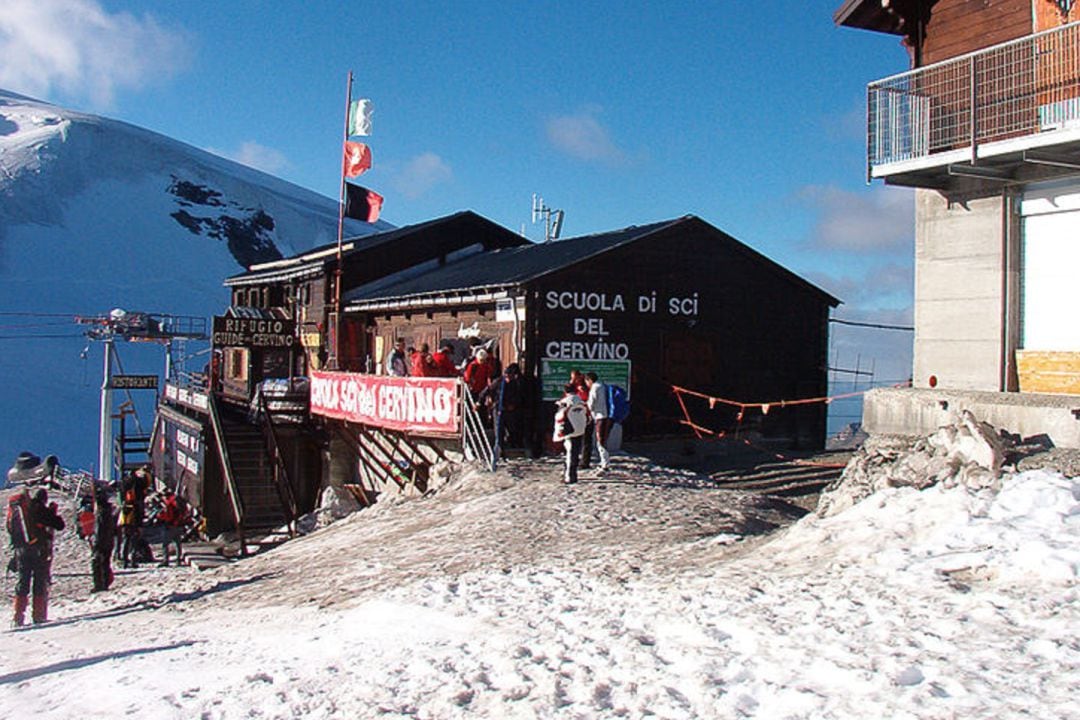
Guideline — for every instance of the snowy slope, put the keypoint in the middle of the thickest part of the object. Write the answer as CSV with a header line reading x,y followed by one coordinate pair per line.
x,y
636,594
97,214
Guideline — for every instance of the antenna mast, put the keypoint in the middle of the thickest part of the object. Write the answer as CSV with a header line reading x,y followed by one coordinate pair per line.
x,y
553,219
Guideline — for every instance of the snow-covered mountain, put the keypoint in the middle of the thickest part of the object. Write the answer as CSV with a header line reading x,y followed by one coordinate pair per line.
x,y
97,214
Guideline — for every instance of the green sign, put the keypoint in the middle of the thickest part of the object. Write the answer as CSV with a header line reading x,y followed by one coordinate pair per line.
x,y
556,373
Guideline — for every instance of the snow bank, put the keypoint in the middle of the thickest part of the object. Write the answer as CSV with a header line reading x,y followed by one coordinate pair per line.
x,y
519,597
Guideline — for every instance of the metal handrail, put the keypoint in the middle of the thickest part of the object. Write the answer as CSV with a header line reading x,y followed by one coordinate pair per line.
x,y
474,435
282,481
226,467
1015,89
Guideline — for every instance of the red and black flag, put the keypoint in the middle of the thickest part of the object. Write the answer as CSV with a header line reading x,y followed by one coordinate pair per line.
x,y
361,203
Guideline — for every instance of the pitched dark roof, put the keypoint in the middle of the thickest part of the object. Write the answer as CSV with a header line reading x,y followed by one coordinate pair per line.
x,y
509,267
312,262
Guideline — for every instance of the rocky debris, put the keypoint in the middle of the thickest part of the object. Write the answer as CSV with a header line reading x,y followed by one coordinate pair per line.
x,y
850,437
1063,460
968,452
334,504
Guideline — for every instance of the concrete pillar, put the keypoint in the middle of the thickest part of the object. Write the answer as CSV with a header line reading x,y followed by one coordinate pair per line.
x,y
958,293
339,464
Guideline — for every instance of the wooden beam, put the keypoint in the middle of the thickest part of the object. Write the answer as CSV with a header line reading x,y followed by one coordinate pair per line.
x,y
388,457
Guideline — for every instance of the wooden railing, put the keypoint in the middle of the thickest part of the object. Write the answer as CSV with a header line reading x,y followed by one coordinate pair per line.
x,y
282,481
226,467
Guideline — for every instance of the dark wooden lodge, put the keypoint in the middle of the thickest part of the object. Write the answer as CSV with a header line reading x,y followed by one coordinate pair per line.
x,y
241,445
674,303
302,287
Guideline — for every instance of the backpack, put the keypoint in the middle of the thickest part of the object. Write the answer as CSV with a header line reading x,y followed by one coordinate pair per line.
x,y
18,519
570,421
85,524
618,403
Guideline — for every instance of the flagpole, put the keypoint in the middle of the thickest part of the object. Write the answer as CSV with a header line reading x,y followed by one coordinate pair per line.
x,y
335,325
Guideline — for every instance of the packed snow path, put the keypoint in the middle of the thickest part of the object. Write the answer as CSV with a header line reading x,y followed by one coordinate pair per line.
x,y
637,594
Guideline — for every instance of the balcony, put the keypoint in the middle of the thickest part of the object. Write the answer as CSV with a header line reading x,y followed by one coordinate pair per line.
x,y
1006,115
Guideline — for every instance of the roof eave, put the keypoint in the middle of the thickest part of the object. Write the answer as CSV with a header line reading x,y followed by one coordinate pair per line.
x,y
441,298
872,15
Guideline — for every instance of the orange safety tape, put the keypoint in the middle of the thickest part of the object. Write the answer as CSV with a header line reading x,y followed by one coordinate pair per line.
x,y
687,414
700,429
764,406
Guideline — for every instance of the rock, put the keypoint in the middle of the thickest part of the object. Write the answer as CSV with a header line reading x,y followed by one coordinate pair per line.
x,y
968,453
441,474
334,504
337,503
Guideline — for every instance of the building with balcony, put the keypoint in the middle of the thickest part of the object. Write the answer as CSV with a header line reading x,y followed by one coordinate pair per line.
x,y
985,125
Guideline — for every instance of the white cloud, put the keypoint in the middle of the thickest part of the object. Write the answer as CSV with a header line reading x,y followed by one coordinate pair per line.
x,y
881,219
256,156
583,137
78,48
420,174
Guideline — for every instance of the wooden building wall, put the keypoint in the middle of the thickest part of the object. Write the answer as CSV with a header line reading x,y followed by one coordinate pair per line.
x,y
433,327
691,307
961,26
1048,15
696,309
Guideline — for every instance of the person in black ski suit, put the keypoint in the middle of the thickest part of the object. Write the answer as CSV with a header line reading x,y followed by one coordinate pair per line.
x,y
103,540
510,414
33,557
133,491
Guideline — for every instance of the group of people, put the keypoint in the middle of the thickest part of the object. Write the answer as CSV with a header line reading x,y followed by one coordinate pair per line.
x,y
498,394
169,514
32,521
582,420
409,361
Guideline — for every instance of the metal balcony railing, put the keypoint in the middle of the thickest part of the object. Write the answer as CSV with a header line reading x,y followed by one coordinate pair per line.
x,y
1016,89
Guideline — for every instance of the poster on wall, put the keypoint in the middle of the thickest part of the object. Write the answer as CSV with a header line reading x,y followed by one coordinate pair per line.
x,y
189,451
182,451
418,405
555,373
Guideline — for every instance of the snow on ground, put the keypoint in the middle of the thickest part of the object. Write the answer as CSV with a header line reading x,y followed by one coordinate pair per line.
x,y
647,592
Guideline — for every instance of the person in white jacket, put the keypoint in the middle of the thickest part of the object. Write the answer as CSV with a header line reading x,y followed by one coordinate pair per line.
x,y
397,362
571,417
598,408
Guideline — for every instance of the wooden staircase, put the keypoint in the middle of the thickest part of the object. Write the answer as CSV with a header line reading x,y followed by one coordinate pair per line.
x,y
253,473
256,491
782,478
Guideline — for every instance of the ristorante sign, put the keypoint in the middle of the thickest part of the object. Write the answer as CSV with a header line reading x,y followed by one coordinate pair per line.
x,y
418,405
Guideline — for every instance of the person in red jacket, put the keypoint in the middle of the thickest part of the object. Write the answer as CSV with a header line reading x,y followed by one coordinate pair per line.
x,y
478,372
174,517
444,361
577,379
422,365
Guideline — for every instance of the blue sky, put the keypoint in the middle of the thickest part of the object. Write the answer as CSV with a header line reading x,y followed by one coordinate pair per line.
x,y
750,115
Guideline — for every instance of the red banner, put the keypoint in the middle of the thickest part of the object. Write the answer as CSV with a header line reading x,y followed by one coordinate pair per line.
x,y
418,405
